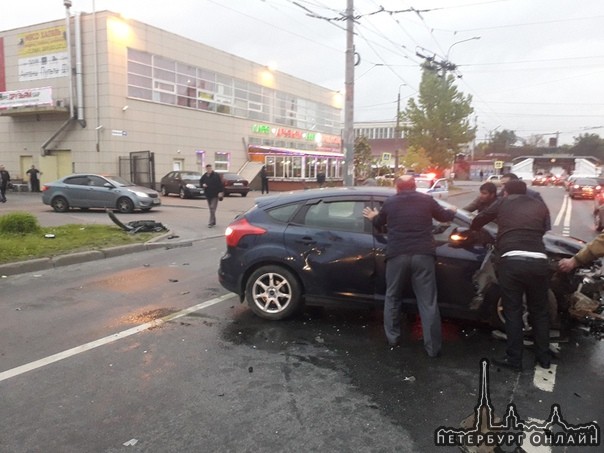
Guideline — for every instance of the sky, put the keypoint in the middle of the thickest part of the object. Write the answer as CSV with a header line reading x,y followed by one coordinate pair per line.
x,y
535,67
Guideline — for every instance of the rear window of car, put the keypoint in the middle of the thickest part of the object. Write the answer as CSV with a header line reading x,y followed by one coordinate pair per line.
x,y
586,182
190,175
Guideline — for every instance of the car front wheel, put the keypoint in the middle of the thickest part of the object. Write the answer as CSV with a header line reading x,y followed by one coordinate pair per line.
x,y
182,194
498,318
273,293
125,205
164,191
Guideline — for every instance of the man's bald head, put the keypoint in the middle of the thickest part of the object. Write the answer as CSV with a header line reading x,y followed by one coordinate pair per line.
x,y
405,182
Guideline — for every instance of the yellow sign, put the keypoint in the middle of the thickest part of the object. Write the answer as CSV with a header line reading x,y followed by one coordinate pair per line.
x,y
498,164
45,41
386,156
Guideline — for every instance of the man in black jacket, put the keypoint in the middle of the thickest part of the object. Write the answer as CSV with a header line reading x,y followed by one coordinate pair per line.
x,y
522,269
530,192
410,257
4,182
213,190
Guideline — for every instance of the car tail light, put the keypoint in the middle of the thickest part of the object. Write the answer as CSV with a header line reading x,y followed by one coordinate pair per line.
x,y
576,186
240,228
44,188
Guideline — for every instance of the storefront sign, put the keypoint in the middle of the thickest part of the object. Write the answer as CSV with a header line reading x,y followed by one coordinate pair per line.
x,y
26,98
283,132
45,41
43,54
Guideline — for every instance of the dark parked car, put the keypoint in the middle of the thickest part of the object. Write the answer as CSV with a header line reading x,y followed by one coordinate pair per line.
x,y
314,247
183,183
584,188
86,191
233,183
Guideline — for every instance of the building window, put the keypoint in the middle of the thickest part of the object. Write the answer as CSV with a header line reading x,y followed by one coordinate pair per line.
x,y
222,161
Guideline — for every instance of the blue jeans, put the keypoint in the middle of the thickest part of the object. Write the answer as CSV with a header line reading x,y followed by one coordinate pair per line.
x,y
417,270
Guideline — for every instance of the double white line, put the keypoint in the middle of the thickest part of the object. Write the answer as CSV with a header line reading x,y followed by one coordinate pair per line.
x,y
565,211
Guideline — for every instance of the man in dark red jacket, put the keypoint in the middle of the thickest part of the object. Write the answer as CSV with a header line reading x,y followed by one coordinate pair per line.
x,y
410,258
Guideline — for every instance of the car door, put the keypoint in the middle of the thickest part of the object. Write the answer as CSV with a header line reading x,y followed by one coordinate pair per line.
x,y
334,246
99,195
455,267
75,190
440,189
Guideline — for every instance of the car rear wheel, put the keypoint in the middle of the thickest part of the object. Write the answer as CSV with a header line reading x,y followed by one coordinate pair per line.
x,y
125,205
164,191
273,293
60,204
498,318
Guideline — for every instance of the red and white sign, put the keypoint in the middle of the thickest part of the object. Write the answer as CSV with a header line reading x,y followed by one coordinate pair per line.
x,y
30,97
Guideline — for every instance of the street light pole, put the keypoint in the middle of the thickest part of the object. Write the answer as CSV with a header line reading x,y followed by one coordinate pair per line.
x,y
459,42
349,99
397,130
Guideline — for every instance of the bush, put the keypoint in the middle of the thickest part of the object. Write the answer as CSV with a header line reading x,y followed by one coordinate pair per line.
x,y
19,223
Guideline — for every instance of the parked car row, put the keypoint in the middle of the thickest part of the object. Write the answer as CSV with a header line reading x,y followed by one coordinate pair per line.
x,y
185,184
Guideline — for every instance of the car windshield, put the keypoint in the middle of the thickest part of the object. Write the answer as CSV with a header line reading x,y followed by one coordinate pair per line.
x,y
423,183
586,182
190,175
118,181
230,175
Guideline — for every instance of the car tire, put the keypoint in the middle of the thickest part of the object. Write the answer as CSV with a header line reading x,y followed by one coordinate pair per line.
x,y
182,193
164,191
244,194
598,221
60,204
498,319
273,293
125,205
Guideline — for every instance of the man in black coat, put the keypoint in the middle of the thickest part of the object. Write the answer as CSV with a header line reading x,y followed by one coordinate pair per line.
x,y
213,190
522,269
4,181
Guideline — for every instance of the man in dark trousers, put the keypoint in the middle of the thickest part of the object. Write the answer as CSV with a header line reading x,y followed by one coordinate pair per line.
x,y
410,257
264,179
4,180
34,178
213,190
522,269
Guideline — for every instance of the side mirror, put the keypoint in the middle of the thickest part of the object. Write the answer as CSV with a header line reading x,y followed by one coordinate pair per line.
x,y
461,237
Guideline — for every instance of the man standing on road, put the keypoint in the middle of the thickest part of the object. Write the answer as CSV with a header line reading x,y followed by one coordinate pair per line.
x,y
488,194
410,256
522,269
264,179
4,180
213,191
34,178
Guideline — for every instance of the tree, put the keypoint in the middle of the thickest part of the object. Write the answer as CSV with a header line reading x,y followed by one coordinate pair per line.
x,y
502,140
439,121
588,145
363,158
416,159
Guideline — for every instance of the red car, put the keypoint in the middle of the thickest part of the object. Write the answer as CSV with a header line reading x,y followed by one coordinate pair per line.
x,y
233,183
584,188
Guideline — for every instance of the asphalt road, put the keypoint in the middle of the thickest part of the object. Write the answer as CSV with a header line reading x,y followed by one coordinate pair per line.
x,y
80,370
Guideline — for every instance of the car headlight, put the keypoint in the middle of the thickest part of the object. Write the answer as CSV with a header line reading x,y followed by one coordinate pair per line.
x,y
140,194
191,186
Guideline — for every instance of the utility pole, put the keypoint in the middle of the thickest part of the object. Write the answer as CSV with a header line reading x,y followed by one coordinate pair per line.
x,y
397,130
349,99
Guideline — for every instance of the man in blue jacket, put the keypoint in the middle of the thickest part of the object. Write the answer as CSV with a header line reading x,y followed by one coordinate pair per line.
x,y
410,259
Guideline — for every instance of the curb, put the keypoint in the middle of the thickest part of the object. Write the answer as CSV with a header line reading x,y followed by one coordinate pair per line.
x,y
41,264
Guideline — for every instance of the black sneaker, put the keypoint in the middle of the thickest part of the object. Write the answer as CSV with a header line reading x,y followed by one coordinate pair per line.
x,y
505,362
543,362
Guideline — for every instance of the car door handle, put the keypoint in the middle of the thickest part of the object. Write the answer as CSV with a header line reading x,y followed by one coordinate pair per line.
x,y
307,241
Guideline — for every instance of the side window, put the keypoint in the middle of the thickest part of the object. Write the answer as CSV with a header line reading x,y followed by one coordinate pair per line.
x,y
283,213
77,181
338,215
96,181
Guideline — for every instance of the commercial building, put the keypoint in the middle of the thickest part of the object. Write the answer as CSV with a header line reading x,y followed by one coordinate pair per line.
x,y
94,92
385,140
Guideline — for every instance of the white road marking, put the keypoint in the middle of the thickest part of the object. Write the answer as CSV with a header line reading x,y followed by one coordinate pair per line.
x,y
109,339
545,379
562,209
569,210
530,448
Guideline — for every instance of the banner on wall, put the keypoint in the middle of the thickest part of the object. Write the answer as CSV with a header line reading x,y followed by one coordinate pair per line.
x,y
43,54
30,97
